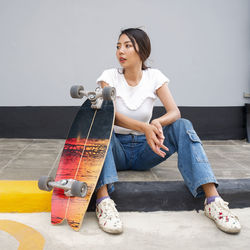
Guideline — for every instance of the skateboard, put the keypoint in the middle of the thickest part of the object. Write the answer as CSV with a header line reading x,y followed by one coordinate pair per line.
x,y
82,157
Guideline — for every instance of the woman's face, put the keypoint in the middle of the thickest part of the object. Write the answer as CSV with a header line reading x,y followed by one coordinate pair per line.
x,y
126,54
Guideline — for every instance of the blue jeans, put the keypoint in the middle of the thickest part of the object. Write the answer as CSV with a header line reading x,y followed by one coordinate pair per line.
x,y
132,152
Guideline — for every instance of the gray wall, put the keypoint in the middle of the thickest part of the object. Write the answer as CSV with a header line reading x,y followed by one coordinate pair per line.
x,y
48,45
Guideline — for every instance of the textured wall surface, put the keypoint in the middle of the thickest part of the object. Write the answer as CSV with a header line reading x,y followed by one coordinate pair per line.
x,y
48,45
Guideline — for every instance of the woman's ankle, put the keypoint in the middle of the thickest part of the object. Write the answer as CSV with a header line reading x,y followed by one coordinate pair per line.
x,y
102,192
210,190
101,199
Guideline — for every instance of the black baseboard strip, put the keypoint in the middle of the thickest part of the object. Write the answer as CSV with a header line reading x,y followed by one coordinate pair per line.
x,y
174,196
247,105
214,123
36,122
211,123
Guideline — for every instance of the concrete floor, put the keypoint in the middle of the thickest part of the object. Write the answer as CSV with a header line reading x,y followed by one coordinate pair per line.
x,y
142,231
28,159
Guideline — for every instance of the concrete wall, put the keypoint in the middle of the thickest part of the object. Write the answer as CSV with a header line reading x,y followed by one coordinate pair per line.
x,y
48,45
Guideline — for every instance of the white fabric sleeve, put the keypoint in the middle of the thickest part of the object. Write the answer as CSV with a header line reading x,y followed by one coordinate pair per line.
x,y
106,76
160,79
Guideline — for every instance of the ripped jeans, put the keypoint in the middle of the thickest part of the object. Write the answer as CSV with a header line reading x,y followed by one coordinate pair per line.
x,y
132,152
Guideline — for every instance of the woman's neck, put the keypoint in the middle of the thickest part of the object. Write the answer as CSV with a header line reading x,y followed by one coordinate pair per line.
x,y
133,75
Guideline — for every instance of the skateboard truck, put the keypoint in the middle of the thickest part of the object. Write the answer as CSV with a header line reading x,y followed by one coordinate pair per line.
x,y
71,187
96,97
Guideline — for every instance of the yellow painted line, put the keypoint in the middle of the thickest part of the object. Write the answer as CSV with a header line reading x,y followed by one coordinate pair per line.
x,y
29,238
23,197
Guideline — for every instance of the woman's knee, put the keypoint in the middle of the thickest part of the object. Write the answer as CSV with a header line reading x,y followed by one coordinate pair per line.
x,y
182,123
179,127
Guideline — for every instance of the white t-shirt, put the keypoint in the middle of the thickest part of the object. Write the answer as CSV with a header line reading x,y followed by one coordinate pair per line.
x,y
135,102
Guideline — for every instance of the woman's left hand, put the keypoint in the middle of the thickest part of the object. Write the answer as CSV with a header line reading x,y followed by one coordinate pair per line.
x,y
157,124
160,136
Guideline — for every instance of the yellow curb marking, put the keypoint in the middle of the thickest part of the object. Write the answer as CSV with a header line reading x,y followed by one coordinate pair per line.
x,y
23,197
29,238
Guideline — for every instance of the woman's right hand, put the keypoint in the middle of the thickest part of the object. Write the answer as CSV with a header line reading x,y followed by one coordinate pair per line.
x,y
153,136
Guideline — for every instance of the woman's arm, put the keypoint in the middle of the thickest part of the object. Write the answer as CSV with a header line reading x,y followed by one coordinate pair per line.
x,y
173,113
151,132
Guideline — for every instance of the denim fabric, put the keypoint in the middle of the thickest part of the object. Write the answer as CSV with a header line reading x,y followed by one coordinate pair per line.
x,y
132,152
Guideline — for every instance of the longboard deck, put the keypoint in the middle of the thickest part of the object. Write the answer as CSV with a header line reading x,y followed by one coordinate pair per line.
x,y
82,159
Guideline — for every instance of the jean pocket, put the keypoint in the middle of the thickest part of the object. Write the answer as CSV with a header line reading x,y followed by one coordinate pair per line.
x,y
197,148
193,136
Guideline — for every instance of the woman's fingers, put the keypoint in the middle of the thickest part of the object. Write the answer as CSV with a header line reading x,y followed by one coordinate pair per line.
x,y
159,143
164,147
157,131
155,139
157,124
157,150
160,152
156,146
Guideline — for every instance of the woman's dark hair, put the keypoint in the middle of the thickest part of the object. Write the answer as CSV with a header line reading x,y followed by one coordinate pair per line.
x,y
140,37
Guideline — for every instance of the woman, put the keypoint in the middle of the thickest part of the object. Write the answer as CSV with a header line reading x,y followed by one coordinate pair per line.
x,y
137,144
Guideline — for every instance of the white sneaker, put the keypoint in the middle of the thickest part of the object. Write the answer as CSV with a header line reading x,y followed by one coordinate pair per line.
x,y
108,217
224,219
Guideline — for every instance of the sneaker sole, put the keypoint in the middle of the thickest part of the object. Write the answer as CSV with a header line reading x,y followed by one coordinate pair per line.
x,y
110,231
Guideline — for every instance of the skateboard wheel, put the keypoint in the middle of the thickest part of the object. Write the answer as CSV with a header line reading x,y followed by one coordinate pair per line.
x,y
43,183
108,93
75,91
79,189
